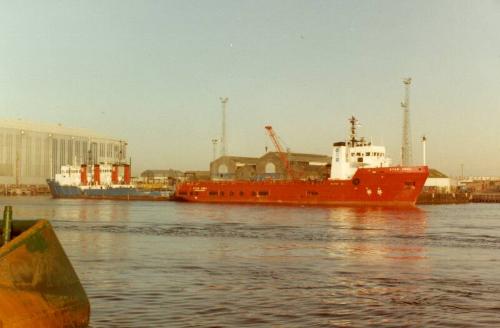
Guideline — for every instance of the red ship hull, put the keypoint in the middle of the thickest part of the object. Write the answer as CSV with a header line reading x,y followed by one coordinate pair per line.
x,y
385,186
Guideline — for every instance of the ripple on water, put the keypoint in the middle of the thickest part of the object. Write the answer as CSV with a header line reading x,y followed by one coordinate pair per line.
x,y
190,265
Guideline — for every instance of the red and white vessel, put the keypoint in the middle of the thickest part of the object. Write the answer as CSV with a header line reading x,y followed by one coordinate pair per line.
x,y
100,181
361,174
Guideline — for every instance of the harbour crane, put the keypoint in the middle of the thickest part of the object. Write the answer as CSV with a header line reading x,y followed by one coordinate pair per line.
x,y
281,153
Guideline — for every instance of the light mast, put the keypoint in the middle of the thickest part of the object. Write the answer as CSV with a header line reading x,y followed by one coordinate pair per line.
x,y
214,150
406,159
424,140
223,138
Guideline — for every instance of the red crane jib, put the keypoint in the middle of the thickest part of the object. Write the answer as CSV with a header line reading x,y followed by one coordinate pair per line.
x,y
280,151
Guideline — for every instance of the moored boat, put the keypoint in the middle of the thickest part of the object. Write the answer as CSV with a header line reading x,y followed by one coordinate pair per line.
x,y
361,174
38,285
100,181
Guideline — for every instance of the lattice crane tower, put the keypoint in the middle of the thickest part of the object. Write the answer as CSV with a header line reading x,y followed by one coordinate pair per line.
x,y
406,154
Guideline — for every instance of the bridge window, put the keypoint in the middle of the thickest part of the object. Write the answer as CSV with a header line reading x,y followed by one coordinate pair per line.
x,y
263,193
213,193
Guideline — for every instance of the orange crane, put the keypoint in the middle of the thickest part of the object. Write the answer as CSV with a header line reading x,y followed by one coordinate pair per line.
x,y
281,153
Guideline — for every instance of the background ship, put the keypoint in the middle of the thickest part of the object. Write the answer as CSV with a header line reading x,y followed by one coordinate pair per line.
x,y
361,174
100,181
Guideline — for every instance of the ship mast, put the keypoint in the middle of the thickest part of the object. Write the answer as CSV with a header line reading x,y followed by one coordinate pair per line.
x,y
354,125
281,153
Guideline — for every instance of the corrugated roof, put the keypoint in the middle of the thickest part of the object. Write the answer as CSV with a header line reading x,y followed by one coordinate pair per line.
x,y
433,173
50,128
301,157
241,159
161,173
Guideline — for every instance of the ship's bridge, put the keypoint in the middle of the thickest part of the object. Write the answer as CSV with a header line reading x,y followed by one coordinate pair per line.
x,y
356,153
69,176
367,155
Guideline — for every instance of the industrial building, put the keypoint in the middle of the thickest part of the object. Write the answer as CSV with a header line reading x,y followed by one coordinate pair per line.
x,y
437,182
160,176
270,166
30,152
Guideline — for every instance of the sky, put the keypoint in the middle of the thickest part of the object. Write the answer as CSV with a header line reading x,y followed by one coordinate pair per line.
x,y
152,72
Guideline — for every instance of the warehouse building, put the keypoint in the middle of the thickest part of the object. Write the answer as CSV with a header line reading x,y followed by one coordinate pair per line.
x,y
437,182
305,166
270,166
233,168
30,153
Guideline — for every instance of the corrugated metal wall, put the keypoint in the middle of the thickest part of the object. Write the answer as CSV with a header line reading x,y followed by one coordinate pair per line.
x,y
30,157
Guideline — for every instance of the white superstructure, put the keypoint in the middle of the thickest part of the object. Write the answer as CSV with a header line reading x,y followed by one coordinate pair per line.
x,y
70,175
101,175
350,155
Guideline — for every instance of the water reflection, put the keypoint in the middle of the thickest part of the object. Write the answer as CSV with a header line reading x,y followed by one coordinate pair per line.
x,y
187,265
376,233
384,261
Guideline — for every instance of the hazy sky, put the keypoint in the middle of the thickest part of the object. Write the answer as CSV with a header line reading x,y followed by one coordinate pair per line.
x,y
152,72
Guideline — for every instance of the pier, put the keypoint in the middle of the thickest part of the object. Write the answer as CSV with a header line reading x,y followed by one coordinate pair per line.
x,y
435,198
486,197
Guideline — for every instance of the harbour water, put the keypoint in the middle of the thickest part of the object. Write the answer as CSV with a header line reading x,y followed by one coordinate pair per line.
x,y
165,264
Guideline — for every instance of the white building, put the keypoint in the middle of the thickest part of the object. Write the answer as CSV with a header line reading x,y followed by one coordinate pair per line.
x,y
30,153
437,181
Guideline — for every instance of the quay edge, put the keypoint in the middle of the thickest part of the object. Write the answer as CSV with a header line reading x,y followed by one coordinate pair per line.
x,y
38,285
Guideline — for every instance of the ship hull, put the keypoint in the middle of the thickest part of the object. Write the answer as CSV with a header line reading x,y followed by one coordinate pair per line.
x,y
117,193
38,285
388,186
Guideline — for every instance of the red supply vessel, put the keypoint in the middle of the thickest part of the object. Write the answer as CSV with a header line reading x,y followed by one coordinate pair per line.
x,y
361,174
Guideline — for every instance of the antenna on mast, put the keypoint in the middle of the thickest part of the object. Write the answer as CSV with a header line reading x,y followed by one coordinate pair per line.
x,y
354,125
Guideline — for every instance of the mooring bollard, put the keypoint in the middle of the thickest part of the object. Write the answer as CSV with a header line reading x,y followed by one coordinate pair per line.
x,y
6,225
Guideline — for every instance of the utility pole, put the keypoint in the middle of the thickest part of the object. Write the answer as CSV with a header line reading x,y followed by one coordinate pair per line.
x,y
223,139
406,156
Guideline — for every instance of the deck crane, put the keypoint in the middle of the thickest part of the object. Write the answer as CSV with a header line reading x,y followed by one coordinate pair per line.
x,y
281,153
